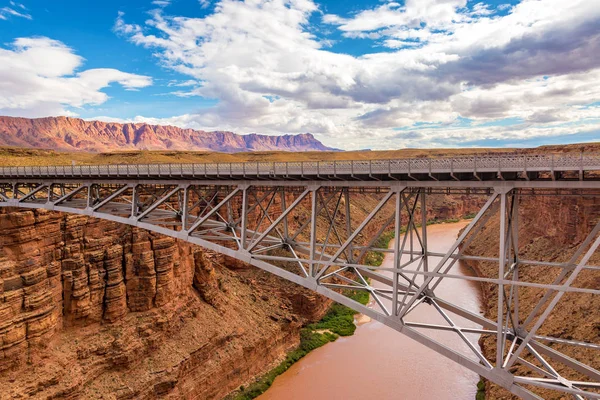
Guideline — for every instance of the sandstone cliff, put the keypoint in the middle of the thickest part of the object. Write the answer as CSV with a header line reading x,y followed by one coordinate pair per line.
x,y
63,133
93,309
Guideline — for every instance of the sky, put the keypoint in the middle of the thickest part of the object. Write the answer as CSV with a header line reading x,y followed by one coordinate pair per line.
x,y
358,74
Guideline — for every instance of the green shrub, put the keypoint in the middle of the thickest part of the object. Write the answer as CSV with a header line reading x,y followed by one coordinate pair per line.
x,y
340,319
480,390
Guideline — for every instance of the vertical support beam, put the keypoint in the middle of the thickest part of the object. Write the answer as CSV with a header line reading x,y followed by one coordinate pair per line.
x,y
501,265
229,213
184,207
51,193
424,230
411,229
348,223
244,216
397,254
515,247
89,195
313,231
134,201
286,233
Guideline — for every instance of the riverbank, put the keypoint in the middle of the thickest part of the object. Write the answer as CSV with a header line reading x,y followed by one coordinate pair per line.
x,y
338,322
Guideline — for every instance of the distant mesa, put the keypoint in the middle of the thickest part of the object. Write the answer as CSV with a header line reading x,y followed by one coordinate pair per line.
x,y
64,133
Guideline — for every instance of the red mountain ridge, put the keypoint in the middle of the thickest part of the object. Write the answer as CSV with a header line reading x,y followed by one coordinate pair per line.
x,y
64,133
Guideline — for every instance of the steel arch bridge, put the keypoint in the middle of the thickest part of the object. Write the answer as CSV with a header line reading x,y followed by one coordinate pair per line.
x,y
296,220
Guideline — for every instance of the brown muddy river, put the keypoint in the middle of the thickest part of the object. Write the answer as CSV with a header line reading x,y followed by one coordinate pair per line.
x,y
380,363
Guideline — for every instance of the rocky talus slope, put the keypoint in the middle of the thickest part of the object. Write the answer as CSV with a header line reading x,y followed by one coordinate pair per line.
x,y
94,309
63,133
550,229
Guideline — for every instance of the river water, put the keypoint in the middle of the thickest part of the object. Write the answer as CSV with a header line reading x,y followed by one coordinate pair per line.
x,y
380,363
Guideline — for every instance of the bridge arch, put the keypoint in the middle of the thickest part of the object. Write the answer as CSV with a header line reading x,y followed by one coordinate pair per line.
x,y
303,231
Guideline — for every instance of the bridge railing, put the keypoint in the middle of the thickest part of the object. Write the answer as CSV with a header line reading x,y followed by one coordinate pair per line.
x,y
505,163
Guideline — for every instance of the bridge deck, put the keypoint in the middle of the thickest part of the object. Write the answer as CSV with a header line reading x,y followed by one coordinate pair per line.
x,y
509,168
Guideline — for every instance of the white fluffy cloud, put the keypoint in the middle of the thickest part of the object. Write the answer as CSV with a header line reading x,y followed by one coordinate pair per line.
x,y
38,77
269,72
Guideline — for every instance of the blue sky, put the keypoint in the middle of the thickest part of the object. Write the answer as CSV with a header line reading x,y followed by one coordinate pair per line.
x,y
87,27
357,74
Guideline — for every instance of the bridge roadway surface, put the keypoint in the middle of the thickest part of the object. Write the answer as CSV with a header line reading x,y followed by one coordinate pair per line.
x,y
293,219
463,169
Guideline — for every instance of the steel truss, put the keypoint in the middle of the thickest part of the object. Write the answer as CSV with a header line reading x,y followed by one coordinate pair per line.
x,y
308,233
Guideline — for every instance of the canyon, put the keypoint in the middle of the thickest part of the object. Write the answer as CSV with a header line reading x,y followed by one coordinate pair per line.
x,y
94,309
64,133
